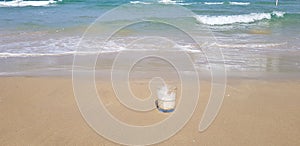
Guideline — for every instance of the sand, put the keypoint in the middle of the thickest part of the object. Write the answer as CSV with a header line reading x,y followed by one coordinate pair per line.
x,y
43,111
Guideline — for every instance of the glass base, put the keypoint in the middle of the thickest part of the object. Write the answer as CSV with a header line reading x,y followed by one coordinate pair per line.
x,y
163,110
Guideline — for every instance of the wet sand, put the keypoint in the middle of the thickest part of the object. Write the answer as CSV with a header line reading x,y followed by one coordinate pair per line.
x,y
43,111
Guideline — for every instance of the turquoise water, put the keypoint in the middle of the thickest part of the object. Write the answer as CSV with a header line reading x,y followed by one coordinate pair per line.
x,y
255,35
69,13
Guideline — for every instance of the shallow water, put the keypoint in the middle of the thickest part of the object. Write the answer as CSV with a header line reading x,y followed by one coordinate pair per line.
x,y
254,36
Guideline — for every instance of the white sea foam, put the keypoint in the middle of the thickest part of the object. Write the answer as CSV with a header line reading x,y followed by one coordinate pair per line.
x,y
139,2
20,3
278,13
55,47
6,55
213,3
231,19
251,45
167,1
239,3
63,48
186,4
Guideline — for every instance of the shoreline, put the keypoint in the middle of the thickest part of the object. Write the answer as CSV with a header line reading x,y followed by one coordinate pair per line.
x,y
62,66
105,75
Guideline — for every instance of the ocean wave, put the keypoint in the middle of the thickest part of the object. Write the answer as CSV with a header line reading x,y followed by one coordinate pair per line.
x,y
278,13
213,3
164,2
186,4
167,1
21,3
139,2
87,48
230,3
176,2
231,19
251,45
7,55
239,3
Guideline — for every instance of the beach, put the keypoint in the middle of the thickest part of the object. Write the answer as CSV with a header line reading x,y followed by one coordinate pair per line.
x,y
250,47
43,111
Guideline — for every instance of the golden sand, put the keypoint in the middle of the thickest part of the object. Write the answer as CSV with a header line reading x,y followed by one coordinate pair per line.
x,y
43,111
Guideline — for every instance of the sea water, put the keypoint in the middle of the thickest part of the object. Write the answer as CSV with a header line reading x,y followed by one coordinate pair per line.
x,y
254,35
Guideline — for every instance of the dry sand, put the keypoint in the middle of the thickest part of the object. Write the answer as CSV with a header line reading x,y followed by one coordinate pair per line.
x,y
43,111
